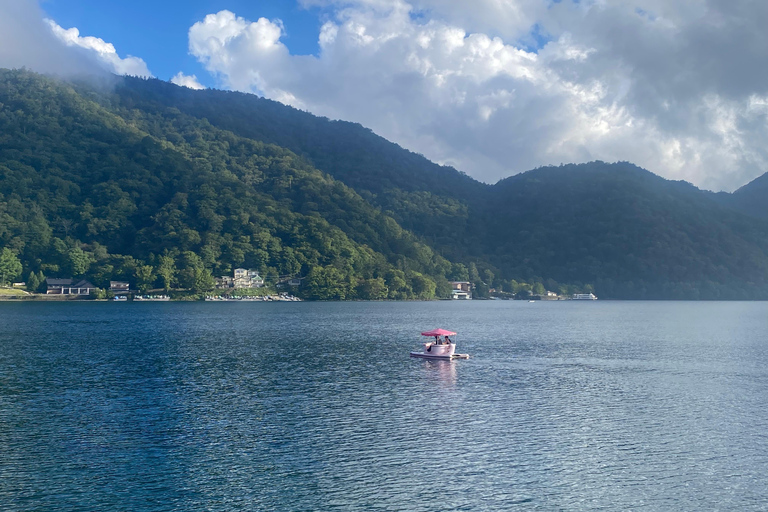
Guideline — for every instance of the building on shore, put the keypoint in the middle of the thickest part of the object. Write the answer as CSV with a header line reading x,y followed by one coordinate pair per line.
x,y
119,287
57,286
461,290
241,278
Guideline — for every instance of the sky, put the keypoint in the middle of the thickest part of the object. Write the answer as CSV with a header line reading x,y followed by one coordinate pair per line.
x,y
491,87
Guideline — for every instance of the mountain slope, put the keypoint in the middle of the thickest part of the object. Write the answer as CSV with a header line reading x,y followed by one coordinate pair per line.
x,y
128,184
429,199
105,181
637,230
628,231
752,198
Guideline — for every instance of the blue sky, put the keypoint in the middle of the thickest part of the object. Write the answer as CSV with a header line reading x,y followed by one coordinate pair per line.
x,y
156,31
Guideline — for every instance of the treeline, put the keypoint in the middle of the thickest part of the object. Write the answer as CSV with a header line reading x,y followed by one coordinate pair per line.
x,y
160,198
103,181
93,189
626,231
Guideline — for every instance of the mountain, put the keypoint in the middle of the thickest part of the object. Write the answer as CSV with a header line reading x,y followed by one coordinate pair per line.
x,y
429,199
163,185
752,198
629,232
91,188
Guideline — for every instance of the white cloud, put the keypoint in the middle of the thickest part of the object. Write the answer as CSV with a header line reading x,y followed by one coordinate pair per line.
x,y
677,87
105,52
25,40
187,81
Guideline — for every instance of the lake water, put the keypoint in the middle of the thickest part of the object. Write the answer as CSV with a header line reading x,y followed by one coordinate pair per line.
x,y
317,406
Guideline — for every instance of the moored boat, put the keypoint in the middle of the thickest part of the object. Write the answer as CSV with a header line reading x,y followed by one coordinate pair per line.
x,y
441,348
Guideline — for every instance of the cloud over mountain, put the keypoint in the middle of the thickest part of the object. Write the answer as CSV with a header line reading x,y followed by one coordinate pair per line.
x,y
27,39
103,51
187,81
505,86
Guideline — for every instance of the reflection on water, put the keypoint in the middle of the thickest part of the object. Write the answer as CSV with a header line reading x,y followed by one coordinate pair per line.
x,y
440,372
563,406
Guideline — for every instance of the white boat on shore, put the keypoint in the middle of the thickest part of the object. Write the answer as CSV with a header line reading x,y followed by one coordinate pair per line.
x,y
441,348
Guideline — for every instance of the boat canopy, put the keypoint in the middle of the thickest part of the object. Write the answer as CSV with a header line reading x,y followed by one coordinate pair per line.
x,y
438,332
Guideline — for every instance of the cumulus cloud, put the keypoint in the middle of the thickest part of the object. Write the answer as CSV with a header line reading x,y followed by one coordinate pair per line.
x,y
187,81
496,87
29,40
105,52
26,41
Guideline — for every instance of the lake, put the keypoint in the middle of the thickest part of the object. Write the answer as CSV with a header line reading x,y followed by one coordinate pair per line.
x,y
572,405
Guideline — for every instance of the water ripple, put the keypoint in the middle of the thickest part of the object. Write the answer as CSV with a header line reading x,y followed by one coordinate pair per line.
x,y
563,406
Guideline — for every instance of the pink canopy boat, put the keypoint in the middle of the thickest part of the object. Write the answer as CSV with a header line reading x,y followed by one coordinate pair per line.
x,y
441,348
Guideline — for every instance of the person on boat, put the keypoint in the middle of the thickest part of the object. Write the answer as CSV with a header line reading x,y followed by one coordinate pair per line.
x,y
447,340
437,339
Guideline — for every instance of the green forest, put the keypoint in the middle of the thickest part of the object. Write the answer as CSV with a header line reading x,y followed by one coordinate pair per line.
x,y
167,188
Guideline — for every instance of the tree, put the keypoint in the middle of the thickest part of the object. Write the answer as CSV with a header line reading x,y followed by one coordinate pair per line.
x,y
166,270
423,287
459,272
33,283
145,276
488,277
326,283
190,267
42,287
78,261
398,287
372,289
10,266
480,290
474,275
204,281
443,288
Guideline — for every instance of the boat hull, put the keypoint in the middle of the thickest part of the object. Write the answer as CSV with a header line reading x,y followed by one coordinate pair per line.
x,y
446,357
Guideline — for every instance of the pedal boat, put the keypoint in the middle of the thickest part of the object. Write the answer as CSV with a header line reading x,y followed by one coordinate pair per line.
x,y
439,349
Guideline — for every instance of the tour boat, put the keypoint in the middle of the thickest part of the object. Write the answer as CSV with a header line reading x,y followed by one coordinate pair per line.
x,y
441,348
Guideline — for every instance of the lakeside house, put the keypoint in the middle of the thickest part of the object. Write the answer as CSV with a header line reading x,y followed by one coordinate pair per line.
x,y
291,281
119,287
461,290
241,278
256,280
57,286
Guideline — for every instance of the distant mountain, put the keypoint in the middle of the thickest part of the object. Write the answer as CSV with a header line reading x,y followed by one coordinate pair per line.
x,y
752,198
628,231
133,177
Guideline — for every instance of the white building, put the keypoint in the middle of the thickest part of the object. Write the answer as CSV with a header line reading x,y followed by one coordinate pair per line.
x,y
461,290
244,278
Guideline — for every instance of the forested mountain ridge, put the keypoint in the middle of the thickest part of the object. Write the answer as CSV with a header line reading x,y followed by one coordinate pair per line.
x,y
162,185
751,199
630,232
94,189
429,199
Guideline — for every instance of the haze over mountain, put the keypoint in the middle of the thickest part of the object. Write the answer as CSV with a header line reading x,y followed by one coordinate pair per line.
x,y
142,168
